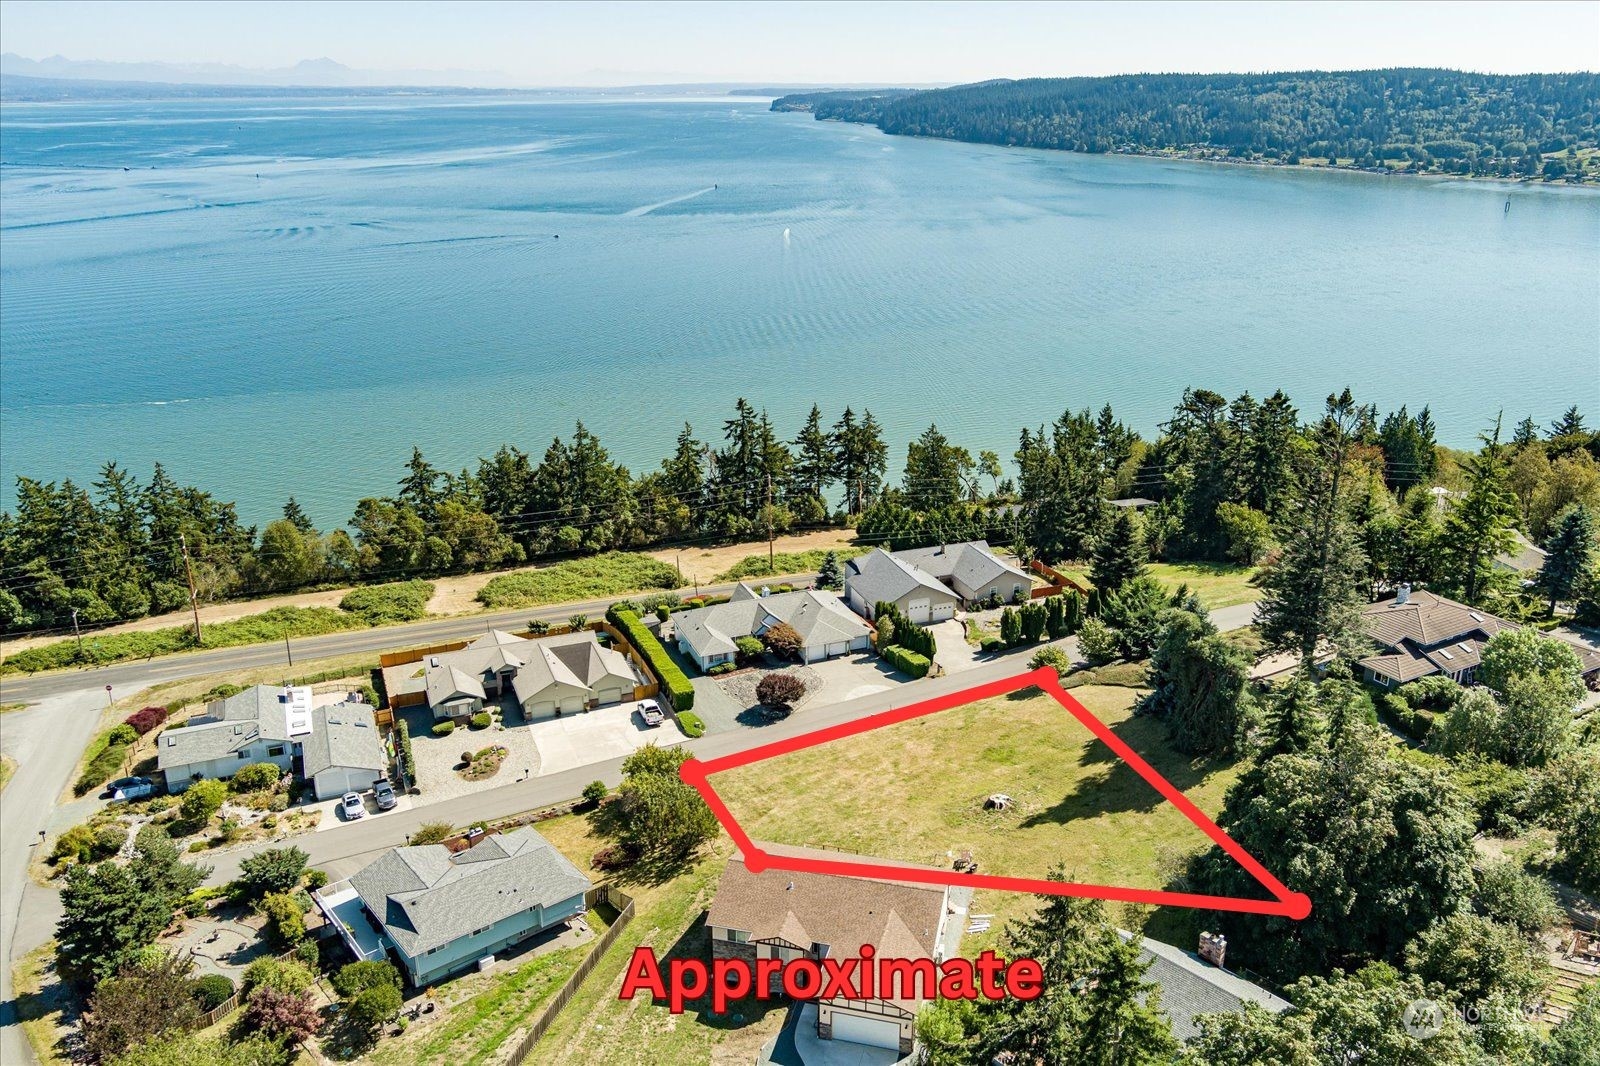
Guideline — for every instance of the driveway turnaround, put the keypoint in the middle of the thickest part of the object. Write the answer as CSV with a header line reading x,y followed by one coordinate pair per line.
x,y
596,736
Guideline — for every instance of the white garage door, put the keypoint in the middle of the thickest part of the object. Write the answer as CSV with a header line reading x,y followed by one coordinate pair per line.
x,y
917,610
841,648
941,611
874,1032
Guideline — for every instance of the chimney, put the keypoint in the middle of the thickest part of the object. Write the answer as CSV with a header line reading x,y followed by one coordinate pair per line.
x,y
1402,594
1213,949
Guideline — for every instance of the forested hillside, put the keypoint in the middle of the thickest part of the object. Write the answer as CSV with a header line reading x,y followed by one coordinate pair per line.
x,y
1426,120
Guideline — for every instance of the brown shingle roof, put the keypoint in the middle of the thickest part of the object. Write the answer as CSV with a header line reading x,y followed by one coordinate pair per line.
x,y
1427,620
900,919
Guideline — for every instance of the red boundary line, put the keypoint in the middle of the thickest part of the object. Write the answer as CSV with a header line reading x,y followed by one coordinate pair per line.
x,y
1284,902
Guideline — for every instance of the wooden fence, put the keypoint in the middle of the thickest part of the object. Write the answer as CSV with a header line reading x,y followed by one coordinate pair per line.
x,y
1059,582
625,914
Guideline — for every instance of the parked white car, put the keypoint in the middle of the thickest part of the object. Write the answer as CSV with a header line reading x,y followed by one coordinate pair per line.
x,y
650,713
131,788
352,806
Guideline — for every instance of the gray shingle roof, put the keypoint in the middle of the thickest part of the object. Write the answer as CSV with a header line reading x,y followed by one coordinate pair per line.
x,y
967,567
1191,986
879,577
427,898
227,726
346,734
1426,634
571,659
819,617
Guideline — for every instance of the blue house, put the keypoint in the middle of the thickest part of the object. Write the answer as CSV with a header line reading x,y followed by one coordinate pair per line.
x,y
438,913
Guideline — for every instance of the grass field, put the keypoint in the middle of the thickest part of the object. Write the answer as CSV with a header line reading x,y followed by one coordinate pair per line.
x,y
916,791
42,1004
1218,584
611,574
782,563
598,1029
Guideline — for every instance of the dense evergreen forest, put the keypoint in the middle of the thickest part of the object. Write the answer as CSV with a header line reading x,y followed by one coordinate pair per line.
x,y
1440,121
1232,479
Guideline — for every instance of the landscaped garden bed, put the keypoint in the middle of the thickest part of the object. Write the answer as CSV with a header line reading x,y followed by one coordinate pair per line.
x,y
483,763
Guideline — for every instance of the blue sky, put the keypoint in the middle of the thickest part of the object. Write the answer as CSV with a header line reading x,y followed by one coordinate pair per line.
x,y
607,43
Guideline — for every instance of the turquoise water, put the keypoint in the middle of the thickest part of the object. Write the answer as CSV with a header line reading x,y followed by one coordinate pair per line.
x,y
283,297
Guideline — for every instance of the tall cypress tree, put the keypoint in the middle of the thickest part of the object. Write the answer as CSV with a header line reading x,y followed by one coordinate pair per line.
x,y
1479,525
1119,556
1570,559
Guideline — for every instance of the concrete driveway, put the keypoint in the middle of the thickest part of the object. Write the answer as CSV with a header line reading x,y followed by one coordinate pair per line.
x,y
609,733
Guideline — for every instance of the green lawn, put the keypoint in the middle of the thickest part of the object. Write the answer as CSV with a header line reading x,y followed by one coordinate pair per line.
x,y
916,791
485,1011
611,574
1218,584
803,562
598,1029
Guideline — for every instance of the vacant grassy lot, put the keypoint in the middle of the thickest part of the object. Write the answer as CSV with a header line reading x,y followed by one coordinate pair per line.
x,y
611,574
916,791
1218,584
782,563
598,1029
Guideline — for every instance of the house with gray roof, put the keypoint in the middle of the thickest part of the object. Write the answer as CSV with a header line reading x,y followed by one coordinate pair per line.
x,y
548,675
437,912
928,584
344,752
266,723
1192,984
827,628
1420,634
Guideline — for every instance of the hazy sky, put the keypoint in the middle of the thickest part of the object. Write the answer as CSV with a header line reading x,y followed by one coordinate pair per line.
x,y
886,43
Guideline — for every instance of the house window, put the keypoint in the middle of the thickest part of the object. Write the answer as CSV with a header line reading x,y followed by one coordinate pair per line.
x,y
274,751
738,936
244,755
1380,679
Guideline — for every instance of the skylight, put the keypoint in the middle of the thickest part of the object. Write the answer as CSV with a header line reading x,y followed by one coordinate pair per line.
x,y
1447,655
1476,617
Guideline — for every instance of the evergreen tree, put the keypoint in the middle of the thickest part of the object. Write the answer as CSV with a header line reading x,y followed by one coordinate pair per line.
x,y
830,575
1526,433
815,466
1570,424
419,487
863,458
1313,593
296,516
1199,683
937,473
1063,493
684,474
1119,555
1478,527
1569,561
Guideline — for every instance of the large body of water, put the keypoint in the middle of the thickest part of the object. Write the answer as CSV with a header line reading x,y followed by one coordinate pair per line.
x,y
283,296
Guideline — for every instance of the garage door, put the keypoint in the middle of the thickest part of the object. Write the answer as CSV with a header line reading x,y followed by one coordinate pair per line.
x,y
841,648
917,610
874,1032
941,611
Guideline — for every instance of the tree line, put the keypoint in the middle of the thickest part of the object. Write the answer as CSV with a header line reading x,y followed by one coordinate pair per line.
x,y
1229,481
1432,120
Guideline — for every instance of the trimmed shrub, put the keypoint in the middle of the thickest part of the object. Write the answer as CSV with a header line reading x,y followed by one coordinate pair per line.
x,y
433,833
108,840
370,697
780,689
722,668
1098,641
212,991
749,647
480,720
400,601
444,728
316,879
594,792
76,844
1053,657
257,777
145,719
285,917
673,680
691,724
123,734
202,800
906,661
990,645
783,640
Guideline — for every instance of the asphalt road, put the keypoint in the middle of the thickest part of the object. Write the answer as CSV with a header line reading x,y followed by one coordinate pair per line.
x,y
47,739
131,676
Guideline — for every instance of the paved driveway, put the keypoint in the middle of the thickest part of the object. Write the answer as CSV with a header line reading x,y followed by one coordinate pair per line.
x,y
609,733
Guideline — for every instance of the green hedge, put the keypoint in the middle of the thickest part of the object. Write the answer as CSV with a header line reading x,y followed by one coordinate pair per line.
x,y
691,724
444,728
402,744
399,601
479,721
102,759
907,661
673,680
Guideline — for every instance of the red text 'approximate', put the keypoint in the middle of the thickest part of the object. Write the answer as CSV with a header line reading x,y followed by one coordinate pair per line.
x,y
862,977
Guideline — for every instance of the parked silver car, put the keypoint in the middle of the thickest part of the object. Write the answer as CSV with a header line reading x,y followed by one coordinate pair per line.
x,y
383,794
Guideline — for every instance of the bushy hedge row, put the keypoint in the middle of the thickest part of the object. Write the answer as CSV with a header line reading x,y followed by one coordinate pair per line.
x,y
105,756
145,719
907,634
673,680
906,660
399,601
402,744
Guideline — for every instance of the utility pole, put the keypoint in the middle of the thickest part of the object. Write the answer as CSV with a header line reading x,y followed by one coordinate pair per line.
x,y
188,571
76,632
286,649
769,524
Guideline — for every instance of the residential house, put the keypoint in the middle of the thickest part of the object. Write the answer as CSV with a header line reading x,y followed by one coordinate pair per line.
x,y
547,675
438,912
1196,983
343,752
928,584
1422,634
1525,557
827,628
261,724
781,914
1134,503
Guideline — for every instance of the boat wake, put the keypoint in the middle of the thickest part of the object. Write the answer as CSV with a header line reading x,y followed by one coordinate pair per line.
x,y
647,208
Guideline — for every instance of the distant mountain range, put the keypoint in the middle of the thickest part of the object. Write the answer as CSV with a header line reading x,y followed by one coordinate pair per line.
x,y
323,72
